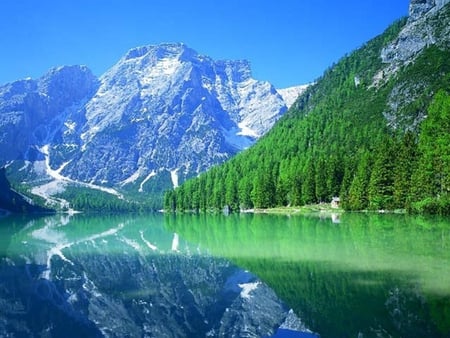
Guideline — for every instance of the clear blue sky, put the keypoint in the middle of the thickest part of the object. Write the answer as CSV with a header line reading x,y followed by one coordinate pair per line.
x,y
287,42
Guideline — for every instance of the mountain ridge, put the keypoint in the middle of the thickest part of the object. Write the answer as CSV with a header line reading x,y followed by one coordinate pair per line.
x,y
161,114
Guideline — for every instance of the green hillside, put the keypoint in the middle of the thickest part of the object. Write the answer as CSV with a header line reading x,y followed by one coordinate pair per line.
x,y
11,201
378,140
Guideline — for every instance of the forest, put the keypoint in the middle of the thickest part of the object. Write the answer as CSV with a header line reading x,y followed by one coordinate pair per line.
x,y
377,146
14,201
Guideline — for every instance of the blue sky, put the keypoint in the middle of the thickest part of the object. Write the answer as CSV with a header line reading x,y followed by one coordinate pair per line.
x,y
287,42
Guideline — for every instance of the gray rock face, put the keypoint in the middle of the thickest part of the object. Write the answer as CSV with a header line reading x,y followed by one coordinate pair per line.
x,y
419,32
428,25
161,114
418,8
32,111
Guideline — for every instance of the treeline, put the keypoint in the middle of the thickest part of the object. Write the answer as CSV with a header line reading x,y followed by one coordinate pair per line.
x,y
337,141
89,200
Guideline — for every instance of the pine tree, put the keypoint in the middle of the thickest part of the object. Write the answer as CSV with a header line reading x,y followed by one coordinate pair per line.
x,y
381,184
334,175
405,163
309,183
295,174
263,193
357,196
169,200
322,193
245,192
283,184
431,179
231,189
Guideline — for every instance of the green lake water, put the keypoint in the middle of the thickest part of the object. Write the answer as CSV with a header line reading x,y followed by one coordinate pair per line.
x,y
348,275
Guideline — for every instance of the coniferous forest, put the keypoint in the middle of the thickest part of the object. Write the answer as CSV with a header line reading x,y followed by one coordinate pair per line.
x,y
377,145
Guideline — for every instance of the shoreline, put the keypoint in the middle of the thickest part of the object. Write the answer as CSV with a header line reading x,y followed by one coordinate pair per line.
x,y
313,208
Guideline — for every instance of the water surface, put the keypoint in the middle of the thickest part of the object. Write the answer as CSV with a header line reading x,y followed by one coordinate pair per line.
x,y
345,275
350,275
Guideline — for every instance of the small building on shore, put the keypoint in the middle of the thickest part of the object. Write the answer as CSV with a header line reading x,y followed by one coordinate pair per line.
x,y
336,203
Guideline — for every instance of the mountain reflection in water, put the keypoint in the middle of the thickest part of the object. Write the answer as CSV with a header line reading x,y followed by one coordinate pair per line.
x,y
118,276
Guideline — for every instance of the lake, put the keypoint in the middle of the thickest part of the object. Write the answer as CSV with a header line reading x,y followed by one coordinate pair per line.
x,y
248,275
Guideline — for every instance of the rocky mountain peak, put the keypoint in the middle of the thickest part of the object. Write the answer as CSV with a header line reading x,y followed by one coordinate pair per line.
x,y
161,51
68,83
423,28
418,8
203,111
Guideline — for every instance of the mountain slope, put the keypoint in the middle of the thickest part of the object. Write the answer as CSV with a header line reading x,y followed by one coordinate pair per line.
x,y
11,201
160,115
31,111
354,133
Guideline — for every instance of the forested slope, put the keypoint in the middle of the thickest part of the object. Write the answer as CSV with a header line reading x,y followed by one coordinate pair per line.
x,y
373,133
11,201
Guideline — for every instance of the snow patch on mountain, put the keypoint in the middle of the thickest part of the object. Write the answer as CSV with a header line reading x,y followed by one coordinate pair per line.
x,y
240,138
174,178
291,94
57,185
149,176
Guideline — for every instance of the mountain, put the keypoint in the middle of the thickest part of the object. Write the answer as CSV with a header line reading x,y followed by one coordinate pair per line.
x,y
162,114
372,130
166,109
32,111
291,94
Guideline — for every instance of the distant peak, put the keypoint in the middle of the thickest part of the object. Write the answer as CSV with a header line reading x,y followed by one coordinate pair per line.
x,y
68,70
160,51
77,81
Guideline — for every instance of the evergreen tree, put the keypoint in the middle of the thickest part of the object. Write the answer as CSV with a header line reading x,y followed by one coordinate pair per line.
x,y
322,194
295,182
405,163
283,184
357,195
209,187
309,183
431,179
347,180
263,193
169,201
245,192
218,194
231,189
334,175
381,184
